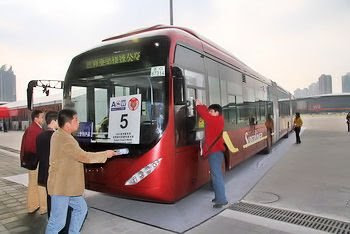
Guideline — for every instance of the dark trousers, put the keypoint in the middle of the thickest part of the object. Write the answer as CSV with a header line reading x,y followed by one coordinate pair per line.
x,y
297,134
348,126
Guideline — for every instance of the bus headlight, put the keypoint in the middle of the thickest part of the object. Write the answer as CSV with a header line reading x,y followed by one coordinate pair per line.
x,y
143,173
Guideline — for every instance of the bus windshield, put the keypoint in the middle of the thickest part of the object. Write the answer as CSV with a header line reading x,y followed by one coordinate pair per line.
x,y
136,67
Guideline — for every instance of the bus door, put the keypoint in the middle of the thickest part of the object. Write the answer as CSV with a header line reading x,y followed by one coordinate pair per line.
x,y
251,133
189,130
276,115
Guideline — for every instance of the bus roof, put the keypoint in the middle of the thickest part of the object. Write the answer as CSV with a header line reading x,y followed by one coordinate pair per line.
x,y
238,63
207,46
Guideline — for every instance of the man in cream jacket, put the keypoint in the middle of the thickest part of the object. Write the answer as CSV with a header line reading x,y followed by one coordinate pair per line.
x,y
66,174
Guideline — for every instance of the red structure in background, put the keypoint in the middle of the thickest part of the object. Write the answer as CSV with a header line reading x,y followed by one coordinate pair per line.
x,y
4,112
17,116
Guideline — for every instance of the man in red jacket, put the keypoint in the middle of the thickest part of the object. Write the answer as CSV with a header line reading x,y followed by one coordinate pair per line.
x,y
214,148
35,197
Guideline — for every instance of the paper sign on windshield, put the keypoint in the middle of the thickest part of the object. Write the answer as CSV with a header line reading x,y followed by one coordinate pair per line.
x,y
158,71
124,119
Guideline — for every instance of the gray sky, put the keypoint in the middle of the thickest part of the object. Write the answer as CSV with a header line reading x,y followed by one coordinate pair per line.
x,y
291,42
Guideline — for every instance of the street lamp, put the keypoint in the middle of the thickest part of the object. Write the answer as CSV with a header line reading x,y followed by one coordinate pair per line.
x,y
171,12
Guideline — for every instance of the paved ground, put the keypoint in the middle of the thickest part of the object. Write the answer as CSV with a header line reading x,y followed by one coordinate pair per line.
x,y
312,178
11,139
13,213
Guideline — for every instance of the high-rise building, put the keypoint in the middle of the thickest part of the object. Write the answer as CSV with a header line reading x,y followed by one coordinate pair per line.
x,y
345,83
297,93
325,84
300,93
7,84
314,89
306,92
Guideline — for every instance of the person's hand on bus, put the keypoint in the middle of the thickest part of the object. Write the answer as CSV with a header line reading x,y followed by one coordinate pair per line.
x,y
111,153
198,102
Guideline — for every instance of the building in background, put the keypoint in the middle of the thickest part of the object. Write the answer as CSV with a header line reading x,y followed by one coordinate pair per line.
x,y
7,84
300,93
322,86
314,89
345,83
325,84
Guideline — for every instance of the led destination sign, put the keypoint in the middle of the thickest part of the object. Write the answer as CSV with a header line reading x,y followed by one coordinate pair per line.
x,y
113,60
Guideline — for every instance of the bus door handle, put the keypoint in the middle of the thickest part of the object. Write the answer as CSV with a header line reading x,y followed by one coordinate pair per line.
x,y
200,148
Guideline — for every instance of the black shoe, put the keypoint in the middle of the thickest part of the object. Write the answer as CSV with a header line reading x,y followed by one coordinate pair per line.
x,y
219,206
213,200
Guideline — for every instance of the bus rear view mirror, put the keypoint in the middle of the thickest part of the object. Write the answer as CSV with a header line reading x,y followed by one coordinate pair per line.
x,y
31,85
179,86
45,84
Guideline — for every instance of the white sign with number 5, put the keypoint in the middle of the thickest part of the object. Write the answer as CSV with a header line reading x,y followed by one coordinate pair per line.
x,y
124,119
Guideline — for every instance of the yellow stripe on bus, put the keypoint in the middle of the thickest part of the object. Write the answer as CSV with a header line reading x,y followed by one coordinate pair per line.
x,y
228,142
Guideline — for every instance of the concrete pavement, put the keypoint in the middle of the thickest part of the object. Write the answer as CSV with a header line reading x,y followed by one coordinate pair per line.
x,y
312,178
11,140
13,212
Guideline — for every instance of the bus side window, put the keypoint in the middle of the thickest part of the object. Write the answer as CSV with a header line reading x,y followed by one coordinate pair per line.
x,y
213,81
262,111
230,115
231,94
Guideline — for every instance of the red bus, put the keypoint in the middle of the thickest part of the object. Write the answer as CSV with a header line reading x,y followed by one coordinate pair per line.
x,y
136,91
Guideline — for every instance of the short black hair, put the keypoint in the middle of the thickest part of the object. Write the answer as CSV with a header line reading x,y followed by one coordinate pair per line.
x,y
35,114
51,115
64,116
216,107
297,114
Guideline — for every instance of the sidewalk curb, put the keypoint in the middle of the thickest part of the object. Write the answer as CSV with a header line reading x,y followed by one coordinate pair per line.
x,y
9,149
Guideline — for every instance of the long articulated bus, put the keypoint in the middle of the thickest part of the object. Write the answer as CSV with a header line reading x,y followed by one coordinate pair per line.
x,y
136,92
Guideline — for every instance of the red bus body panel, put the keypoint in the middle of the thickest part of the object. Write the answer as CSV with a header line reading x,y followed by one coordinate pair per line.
x,y
182,170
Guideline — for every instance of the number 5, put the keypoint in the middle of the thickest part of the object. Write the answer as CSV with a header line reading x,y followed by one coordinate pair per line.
x,y
124,120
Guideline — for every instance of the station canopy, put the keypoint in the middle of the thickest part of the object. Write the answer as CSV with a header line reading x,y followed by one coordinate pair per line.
x,y
4,112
